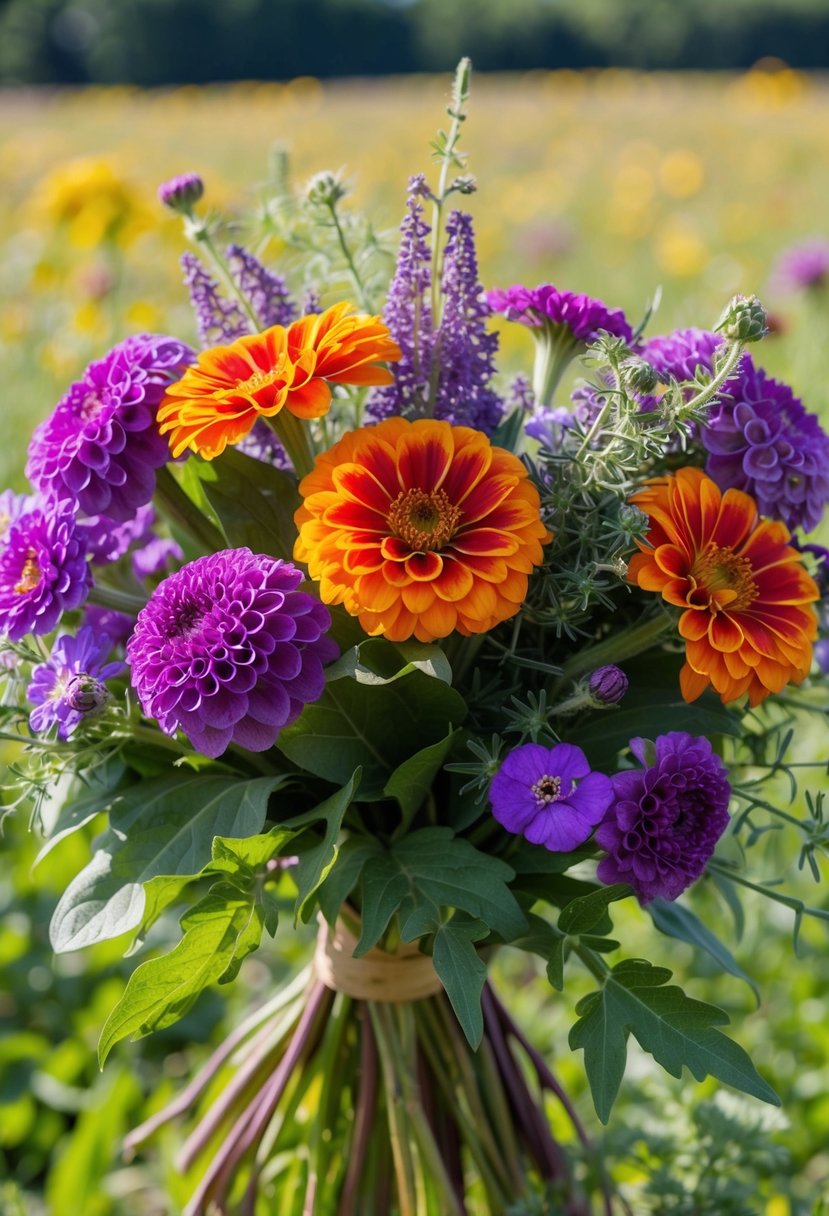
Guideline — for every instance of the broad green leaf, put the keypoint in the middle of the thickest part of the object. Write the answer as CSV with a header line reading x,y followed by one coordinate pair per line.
x,y
652,706
378,661
254,502
341,880
77,809
462,973
435,868
677,920
585,912
676,1030
411,781
374,727
157,828
217,932
547,941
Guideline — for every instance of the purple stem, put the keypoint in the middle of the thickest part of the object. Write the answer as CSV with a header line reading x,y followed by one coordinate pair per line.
x,y
251,1123
364,1114
547,1153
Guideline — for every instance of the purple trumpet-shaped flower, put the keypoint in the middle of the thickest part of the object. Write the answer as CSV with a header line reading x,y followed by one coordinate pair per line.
x,y
228,650
69,686
100,447
43,569
549,795
665,818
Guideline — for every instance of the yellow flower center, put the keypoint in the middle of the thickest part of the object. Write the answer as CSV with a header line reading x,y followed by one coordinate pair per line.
x,y
424,520
722,580
29,575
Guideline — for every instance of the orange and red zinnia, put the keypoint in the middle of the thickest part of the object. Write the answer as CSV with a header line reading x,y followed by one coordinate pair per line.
x,y
420,528
220,397
747,621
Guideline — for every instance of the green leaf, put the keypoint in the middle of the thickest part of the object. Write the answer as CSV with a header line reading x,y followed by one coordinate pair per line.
x,y
412,780
254,502
378,661
219,932
316,860
585,912
432,867
344,876
462,973
94,795
164,828
677,920
373,727
652,705
547,941
676,1030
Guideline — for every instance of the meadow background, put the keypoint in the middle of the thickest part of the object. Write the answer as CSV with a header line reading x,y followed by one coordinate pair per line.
x,y
611,182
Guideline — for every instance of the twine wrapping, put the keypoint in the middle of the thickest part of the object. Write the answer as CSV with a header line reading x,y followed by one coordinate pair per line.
x,y
405,976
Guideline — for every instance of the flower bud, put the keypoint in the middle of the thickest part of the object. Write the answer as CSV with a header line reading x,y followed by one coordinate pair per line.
x,y
325,189
465,184
181,193
638,376
607,685
633,523
744,320
85,694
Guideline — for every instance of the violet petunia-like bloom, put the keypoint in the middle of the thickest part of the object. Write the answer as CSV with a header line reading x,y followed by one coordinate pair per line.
x,y
100,447
549,795
230,651
69,686
43,569
666,818
760,439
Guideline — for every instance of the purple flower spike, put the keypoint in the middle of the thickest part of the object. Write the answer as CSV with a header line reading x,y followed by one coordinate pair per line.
x,y
760,439
43,569
100,447
267,292
545,305
69,686
549,795
230,651
666,819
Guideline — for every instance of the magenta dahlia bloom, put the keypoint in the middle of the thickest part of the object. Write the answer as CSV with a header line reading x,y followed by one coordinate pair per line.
x,y
582,316
12,506
228,650
549,795
665,820
43,569
100,447
760,438
69,686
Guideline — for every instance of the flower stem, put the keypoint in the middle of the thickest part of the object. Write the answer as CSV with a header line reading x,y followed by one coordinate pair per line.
x,y
401,1147
553,355
448,157
200,234
183,512
706,394
617,647
119,601
349,258
295,437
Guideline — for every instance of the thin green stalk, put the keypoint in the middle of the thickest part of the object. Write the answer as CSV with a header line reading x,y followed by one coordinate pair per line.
x,y
365,299
495,1099
460,95
706,394
183,512
118,601
624,644
200,234
327,1059
401,1148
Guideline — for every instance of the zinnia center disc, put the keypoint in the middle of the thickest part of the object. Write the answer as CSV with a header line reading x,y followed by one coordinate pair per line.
x,y
724,578
424,520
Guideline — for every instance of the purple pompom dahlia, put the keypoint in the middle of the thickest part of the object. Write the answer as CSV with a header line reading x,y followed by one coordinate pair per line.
x,y
101,446
679,354
549,795
230,651
760,438
43,569
665,820
69,686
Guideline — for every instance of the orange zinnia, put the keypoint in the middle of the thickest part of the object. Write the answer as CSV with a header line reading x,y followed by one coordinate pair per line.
x,y
745,592
420,528
220,397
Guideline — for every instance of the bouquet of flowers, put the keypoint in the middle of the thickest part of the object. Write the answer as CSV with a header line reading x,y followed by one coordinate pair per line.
x,y
330,624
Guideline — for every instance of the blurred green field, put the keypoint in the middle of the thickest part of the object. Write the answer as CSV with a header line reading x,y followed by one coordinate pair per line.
x,y
612,183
